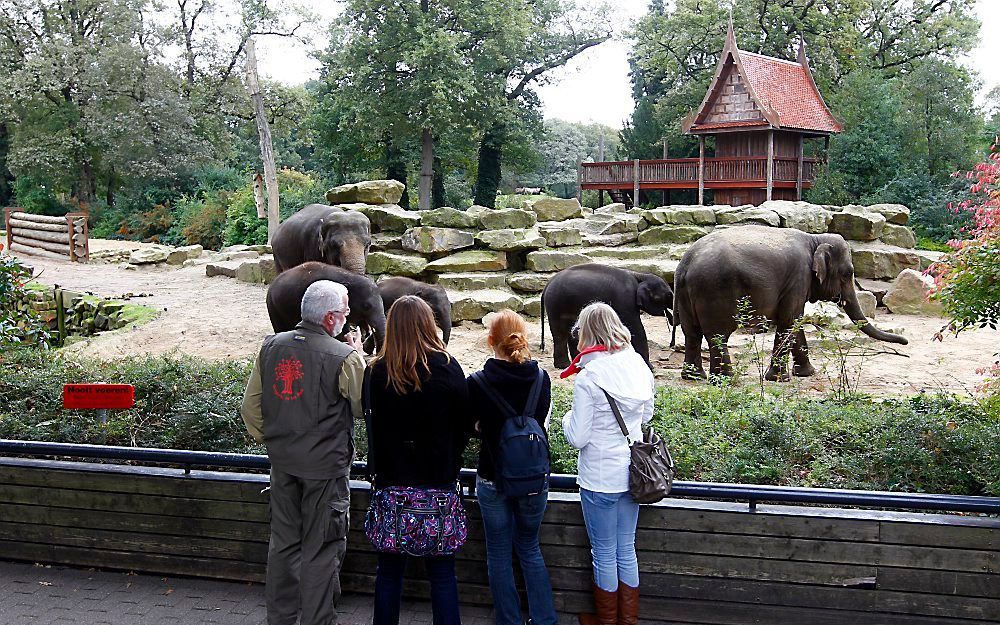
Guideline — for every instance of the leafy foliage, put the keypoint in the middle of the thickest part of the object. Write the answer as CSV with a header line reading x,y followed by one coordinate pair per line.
x,y
18,327
242,224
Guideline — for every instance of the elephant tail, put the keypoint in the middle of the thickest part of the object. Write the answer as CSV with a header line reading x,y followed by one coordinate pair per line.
x,y
674,317
542,303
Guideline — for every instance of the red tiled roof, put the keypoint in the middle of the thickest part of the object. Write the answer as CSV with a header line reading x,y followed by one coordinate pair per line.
x,y
787,88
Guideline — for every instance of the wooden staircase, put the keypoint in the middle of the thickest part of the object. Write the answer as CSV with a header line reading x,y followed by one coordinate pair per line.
x,y
621,196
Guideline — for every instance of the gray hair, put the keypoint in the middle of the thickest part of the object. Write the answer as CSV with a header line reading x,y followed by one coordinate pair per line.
x,y
320,298
599,325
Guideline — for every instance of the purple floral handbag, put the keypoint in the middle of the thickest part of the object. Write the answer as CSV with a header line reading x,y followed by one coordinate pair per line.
x,y
416,521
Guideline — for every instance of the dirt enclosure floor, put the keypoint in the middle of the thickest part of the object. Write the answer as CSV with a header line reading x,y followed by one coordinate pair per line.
x,y
221,318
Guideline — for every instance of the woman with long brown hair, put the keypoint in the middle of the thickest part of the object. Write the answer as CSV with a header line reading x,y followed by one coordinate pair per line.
x,y
415,401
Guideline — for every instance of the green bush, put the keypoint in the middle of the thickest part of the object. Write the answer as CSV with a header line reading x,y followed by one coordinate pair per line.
x,y
36,195
296,189
18,327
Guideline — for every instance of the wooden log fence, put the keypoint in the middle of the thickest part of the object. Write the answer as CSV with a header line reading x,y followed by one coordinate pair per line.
x,y
701,561
48,236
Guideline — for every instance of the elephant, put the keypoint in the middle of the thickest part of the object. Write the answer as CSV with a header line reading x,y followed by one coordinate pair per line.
x,y
777,270
323,233
628,292
435,296
284,297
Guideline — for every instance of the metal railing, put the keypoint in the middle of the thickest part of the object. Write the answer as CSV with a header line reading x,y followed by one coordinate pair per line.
x,y
751,493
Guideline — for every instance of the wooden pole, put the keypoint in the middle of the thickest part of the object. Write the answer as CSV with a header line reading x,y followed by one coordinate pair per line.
x,y
266,146
665,148
69,238
600,198
426,169
701,170
770,164
635,183
600,148
798,177
579,181
6,221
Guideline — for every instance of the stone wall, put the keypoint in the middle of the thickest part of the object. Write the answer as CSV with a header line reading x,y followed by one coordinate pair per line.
x,y
490,259
84,315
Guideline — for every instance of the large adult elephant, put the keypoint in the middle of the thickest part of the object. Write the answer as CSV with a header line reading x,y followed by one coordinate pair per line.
x,y
435,296
284,297
777,270
323,233
628,292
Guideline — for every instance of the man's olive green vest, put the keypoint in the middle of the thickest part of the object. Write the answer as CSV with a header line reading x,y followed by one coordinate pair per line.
x,y
308,427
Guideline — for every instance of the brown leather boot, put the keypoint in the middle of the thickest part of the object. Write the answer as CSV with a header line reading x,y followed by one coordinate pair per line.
x,y
605,609
628,604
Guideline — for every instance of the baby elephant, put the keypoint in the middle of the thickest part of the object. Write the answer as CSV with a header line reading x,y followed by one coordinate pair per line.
x,y
435,296
628,292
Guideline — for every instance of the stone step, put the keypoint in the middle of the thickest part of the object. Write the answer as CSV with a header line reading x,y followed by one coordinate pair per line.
x,y
554,260
643,252
395,263
528,281
470,260
474,305
472,281
663,268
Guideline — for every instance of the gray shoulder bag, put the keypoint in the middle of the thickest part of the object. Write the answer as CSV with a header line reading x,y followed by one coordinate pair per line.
x,y
651,470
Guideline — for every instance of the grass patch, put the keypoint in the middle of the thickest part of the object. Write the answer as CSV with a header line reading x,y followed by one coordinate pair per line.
x,y
925,443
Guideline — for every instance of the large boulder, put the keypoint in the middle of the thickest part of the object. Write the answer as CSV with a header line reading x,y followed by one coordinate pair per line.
x,y
928,257
528,282
470,260
659,267
855,223
878,288
178,255
879,261
389,217
556,235
474,305
671,234
149,255
554,260
555,209
909,295
681,215
617,207
506,218
510,240
747,215
893,213
868,303
472,281
431,240
603,224
395,264
367,192
824,314
225,268
447,217
386,241
900,236
803,216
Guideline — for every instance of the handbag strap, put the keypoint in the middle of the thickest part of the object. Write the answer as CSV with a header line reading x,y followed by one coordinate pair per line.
x,y
618,416
366,408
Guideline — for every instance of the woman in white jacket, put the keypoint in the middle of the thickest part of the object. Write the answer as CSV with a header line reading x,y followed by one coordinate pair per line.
x,y
607,363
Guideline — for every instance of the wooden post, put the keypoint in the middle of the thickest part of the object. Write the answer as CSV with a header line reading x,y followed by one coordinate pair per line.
x,y
426,169
579,181
635,183
600,198
664,148
826,149
600,148
72,244
798,178
701,170
770,164
6,224
266,147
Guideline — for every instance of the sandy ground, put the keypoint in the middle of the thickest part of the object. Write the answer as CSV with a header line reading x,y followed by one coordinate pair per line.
x,y
220,318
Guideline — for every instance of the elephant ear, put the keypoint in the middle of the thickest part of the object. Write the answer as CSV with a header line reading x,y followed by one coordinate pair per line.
x,y
643,296
328,255
822,264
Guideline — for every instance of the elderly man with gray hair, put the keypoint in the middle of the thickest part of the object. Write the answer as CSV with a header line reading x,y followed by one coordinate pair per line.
x,y
301,401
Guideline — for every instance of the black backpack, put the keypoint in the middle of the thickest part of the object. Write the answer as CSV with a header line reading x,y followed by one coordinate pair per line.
x,y
523,464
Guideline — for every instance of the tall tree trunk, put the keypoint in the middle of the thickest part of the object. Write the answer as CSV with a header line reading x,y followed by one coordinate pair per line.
x,y
109,196
86,183
437,189
488,173
395,168
266,147
426,168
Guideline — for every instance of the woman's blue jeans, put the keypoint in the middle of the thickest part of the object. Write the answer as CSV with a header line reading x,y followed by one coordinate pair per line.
x,y
512,524
611,519
389,588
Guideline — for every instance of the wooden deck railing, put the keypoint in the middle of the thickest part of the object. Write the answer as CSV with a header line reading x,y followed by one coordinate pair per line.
x,y
622,174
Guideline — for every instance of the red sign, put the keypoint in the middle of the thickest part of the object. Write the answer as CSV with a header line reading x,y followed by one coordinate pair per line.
x,y
97,396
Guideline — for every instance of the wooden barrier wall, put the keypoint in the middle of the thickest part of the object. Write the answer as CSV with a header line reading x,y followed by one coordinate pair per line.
x,y
701,562
51,237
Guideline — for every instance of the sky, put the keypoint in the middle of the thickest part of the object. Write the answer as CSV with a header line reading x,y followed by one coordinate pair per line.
x,y
594,87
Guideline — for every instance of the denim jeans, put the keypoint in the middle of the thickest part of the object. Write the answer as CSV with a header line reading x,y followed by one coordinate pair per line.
x,y
611,519
389,588
512,524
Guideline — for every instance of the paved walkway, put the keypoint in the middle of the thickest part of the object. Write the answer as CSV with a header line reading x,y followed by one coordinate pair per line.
x,y
33,594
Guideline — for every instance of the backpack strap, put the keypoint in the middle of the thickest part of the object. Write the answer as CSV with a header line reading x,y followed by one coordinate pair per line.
x,y
366,408
534,394
502,404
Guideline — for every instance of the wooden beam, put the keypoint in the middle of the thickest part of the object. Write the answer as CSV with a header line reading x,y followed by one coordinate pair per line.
x,y
798,176
701,170
6,221
635,183
770,164
579,181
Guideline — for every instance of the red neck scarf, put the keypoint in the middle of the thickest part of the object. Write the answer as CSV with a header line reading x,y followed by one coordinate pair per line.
x,y
574,367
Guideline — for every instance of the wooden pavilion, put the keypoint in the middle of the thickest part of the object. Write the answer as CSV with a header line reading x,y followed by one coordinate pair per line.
x,y
760,110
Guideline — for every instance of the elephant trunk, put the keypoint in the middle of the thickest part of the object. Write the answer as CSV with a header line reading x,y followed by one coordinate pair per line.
x,y
853,310
353,256
378,327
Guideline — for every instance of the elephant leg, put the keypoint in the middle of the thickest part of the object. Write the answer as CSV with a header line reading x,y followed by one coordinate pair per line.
x,y
692,369
800,353
783,339
639,342
560,343
719,362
